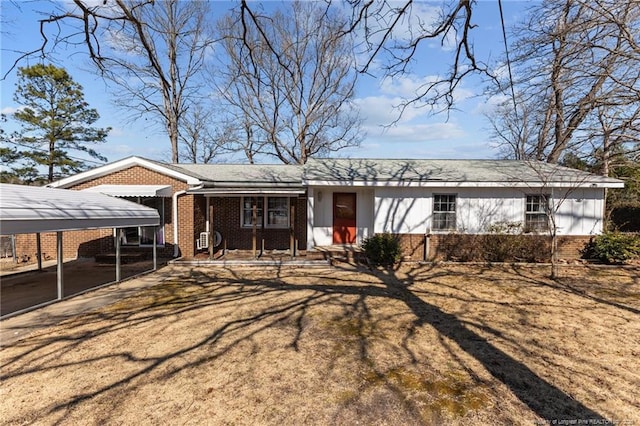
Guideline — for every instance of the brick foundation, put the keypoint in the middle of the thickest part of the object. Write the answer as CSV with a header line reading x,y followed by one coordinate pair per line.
x,y
438,246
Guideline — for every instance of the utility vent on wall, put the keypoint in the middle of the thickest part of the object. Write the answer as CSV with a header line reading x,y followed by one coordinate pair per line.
x,y
203,241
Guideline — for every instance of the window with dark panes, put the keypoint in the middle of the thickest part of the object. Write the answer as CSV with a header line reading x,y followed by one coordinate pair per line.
x,y
536,213
277,212
247,211
444,212
143,235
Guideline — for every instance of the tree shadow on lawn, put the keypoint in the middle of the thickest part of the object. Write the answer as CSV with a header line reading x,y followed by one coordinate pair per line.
x,y
201,290
542,397
589,287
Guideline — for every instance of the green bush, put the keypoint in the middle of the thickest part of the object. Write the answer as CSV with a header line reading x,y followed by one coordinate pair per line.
x,y
613,247
382,249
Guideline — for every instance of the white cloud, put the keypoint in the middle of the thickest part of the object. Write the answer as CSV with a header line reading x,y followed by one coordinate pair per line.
x,y
407,85
416,132
489,105
117,132
120,149
9,110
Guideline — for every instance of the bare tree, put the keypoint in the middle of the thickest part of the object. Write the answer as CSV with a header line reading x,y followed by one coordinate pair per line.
x,y
576,65
297,103
391,34
202,139
153,50
388,33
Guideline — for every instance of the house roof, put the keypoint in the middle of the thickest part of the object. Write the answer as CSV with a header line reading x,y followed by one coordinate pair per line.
x,y
220,179
244,174
459,173
223,179
123,164
31,209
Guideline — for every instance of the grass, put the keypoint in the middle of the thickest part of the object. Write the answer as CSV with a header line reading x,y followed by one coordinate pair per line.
x,y
428,345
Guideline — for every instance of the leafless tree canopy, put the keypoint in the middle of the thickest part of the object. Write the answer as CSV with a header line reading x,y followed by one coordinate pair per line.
x,y
390,34
153,50
577,82
289,78
203,136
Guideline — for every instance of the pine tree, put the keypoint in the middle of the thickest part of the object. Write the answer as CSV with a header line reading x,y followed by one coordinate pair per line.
x,y
55,119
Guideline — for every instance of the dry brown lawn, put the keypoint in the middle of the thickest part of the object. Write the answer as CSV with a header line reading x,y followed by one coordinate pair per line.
x,y
425,345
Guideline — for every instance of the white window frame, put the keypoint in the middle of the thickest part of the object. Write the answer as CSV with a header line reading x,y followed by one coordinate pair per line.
x,y
159,229
259,217
286,210
542,204
446,212
264,218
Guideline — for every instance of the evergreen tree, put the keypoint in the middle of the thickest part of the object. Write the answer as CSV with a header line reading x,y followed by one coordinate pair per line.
x,y
55,119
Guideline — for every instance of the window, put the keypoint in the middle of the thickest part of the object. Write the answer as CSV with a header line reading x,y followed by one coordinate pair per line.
x,y
247,211
536,213
277,212
143,235
444,212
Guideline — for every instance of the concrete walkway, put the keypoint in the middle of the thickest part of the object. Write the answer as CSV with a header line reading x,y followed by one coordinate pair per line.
x,y
15,328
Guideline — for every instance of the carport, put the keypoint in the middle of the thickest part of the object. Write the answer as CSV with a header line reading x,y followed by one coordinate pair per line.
x,y
34,210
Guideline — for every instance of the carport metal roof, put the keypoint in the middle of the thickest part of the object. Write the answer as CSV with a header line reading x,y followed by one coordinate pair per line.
x,y
30,209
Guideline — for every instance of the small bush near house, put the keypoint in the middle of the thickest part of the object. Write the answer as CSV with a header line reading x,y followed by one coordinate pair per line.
x,y
382,249
504,243
613,247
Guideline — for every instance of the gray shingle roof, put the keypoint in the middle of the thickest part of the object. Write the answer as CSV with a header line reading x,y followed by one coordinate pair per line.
x,y
407,171
364,171
245,175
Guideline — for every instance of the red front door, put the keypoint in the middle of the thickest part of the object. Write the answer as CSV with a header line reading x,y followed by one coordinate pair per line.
x,y
344,218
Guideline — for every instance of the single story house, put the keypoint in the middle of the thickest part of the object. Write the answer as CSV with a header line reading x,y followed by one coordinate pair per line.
x,y
339,202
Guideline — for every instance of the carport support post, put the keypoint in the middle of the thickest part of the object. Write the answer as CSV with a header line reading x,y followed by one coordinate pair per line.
x,y
60,264
39,251
155,248
118,231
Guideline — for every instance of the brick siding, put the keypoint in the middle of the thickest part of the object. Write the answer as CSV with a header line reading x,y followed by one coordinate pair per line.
x,y
88,243
413,246
226,221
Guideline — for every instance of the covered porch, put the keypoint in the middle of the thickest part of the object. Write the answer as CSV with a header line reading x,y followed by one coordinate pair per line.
x,y
257,211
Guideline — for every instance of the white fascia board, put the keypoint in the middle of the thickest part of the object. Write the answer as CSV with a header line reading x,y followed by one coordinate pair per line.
x,y
440,184
240,192
12,227
121,165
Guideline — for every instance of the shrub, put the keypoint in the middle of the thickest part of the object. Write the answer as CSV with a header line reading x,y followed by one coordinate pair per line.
x,y
382,249
613,247
495,247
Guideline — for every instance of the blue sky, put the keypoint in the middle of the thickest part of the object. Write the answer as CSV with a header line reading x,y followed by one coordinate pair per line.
x,y
463,133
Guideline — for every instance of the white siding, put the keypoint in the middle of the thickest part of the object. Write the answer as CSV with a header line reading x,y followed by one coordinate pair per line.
x,y
320,214
402,210
579,212
409,210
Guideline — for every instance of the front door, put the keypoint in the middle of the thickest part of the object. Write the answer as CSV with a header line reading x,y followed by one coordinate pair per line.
x,y
344,218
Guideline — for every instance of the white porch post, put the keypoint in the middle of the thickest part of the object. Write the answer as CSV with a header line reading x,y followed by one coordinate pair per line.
x,y
310,206
60,265
118,231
